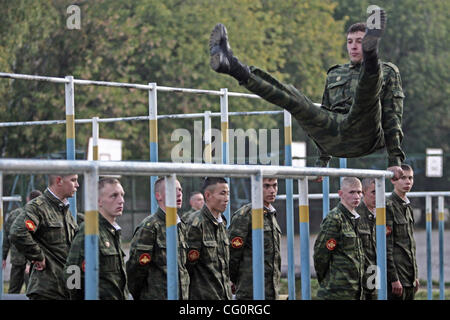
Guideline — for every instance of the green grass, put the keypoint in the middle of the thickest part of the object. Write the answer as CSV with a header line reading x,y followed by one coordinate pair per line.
x,y
420,295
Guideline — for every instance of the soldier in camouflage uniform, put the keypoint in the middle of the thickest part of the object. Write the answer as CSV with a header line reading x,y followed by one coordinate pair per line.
x,y
112,283
147,265
208,245
351,122
43,234
19,266
240,232
367,232
196,201
338,251
402,274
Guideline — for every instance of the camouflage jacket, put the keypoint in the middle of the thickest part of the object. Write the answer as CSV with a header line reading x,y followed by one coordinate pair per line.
x,y
45,230
112,284
147,265
367,233
338,97
339,256
240,234
188,215
16,257
208,257
400,243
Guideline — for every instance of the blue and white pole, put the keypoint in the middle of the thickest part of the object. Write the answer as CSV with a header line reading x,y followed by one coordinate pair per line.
x,y
225,144
304,237
257,238
441,248
153,125
70,134
428,214
171,237
380,203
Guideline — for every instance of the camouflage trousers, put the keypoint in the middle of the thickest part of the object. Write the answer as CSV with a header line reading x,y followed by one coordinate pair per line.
x,y
17,278
354,134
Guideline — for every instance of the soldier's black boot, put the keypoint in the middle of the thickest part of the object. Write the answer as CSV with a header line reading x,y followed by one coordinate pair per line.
x,y
371,42
222,59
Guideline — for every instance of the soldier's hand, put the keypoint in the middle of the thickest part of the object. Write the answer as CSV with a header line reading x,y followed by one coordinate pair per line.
x,y
315,178
416,288
398,172
4,264
27,268
233,288
397,288
39,265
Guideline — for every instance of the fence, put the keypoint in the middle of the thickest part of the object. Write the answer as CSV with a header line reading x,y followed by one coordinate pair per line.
x,y
92,169
428,214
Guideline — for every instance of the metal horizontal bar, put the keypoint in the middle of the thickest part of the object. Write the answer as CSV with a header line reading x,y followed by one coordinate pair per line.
x,y
12,198
32,77
183,169
419,194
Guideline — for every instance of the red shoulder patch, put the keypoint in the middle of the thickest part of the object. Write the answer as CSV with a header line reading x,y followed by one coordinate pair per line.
x,y
83,266
193,255
29,224
144,259
331,244
388,230
237,242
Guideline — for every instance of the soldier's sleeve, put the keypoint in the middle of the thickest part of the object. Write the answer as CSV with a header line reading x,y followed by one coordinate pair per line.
x,y
141,254
6,242
391,269
238,233
22,231
75,266
194,236
392,113
326,243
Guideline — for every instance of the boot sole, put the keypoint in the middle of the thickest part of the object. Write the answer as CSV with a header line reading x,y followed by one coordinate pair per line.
x,y
216,55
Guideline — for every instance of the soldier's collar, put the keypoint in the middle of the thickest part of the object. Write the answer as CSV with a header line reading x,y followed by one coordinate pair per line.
x,y
53,198
270,209
355,65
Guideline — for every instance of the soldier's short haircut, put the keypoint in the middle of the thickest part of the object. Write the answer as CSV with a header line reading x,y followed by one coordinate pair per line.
x,y
406,167
107,180
193,193
367,182
211,181
52,177
34,194
349,182
159,184
356,27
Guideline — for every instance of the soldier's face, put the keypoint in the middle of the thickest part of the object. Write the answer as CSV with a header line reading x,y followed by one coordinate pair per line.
x,y
217,197
270,189
369,196
111,200
351,195
69,185
161,195
197,201
354,46
405,183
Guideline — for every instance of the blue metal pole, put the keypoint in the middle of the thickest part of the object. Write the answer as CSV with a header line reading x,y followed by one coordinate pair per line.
x,y
304,238
91,237
171,238
428,208
257,238
70,134
289,205
441,248
326,196
381,238
153,125
225,144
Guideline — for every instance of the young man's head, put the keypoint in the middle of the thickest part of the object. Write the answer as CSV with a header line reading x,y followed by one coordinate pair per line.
x,y
355,34
110,198
33,194
368,190
406,181
270,190
350,192
160,193
63,186
217,194
196,200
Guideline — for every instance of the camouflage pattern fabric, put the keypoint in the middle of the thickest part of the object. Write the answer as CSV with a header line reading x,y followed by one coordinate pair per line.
x,y
208,257
400,243
147,265
350,122
112,284
367,233
339,257
18,261
45,230
241,271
